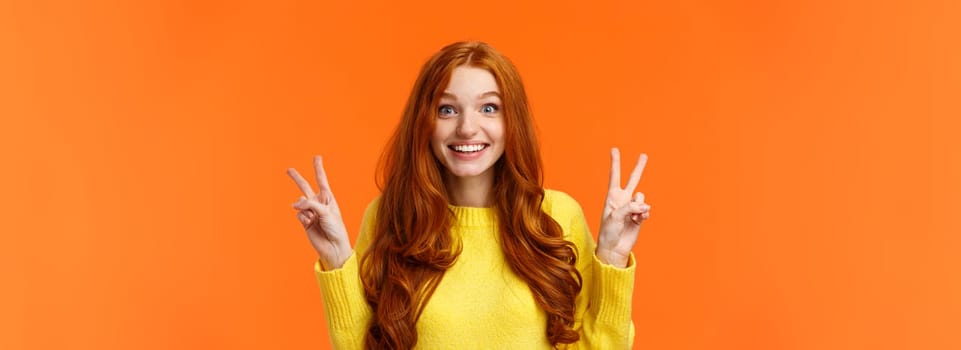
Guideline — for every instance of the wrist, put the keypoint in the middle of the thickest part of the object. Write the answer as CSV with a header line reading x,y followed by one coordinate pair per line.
x,y
613,258
328,263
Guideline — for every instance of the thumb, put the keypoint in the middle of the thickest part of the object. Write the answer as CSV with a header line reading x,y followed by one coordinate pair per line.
x,y
622,211
311,204
300,203
631,212
304,204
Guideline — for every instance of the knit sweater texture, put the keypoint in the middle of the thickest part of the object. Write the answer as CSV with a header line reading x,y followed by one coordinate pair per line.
x,y
480,302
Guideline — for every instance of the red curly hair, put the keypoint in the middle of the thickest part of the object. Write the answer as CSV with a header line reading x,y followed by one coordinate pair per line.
x,y
412,247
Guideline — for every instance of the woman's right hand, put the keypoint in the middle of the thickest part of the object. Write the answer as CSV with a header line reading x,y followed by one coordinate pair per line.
x,y
320,216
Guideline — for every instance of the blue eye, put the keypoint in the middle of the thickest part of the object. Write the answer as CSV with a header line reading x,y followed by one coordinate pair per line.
x,y
445,110
489,108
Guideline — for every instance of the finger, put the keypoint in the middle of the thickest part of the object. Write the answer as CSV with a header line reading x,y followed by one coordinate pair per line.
x,y
635,208
636,173
625,211
299,203
638,208
304,204
307,213
301,183
315,206
321,174
640,213
639,197
615,181
303,219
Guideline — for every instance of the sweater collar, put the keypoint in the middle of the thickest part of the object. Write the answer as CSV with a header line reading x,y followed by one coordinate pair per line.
x,y
473,216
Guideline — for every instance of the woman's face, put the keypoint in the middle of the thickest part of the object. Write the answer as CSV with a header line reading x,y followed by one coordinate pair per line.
x,y
469,136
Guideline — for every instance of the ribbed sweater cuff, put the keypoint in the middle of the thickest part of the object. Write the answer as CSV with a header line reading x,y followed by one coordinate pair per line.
x,y
343,293
615,290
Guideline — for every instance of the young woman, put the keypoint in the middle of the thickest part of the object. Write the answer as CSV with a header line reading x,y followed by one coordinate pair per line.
x,y
464,248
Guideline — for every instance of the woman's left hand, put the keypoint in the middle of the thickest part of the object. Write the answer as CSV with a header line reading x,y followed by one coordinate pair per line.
x,y
624,211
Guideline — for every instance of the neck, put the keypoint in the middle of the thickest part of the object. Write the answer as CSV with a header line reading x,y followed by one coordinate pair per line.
x,y
474,191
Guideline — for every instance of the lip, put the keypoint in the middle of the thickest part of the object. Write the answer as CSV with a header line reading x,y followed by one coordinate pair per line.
x,y
468,143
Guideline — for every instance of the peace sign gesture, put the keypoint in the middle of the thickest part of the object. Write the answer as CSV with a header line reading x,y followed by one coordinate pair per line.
x,y
321,218
622,216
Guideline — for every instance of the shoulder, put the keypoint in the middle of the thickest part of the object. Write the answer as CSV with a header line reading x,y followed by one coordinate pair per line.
x,y
371,211
367,223
562,207
560,203
567,212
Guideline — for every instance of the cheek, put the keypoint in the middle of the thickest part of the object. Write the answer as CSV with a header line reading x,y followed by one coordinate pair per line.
x,y
497,130
437,140
497,135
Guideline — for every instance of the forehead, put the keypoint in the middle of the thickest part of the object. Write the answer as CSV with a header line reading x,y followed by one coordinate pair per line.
x,y
470,82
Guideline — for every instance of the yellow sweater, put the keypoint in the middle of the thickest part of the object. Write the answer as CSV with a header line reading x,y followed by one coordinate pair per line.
x,y
480,303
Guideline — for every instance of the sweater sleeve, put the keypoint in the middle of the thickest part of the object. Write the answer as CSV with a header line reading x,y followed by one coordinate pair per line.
x,y
602,313
345,305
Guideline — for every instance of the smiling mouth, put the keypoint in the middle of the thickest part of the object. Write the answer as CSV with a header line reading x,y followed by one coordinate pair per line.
x,y
467,149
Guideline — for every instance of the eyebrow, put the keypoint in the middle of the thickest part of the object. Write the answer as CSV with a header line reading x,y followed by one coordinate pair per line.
x,y
483,95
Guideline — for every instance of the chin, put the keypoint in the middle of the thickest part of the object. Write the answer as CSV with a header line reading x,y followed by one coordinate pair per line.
x,y
468,171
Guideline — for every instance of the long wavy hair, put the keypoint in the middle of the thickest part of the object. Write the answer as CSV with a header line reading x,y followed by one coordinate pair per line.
x,y
412,247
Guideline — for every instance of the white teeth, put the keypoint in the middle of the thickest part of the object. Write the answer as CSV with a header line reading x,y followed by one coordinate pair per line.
x,y
468,148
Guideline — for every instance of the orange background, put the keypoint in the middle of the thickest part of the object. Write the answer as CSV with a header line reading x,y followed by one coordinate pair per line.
x,y
804,160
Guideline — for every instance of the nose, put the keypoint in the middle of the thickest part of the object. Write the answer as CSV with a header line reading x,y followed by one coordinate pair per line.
x,y
467,125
